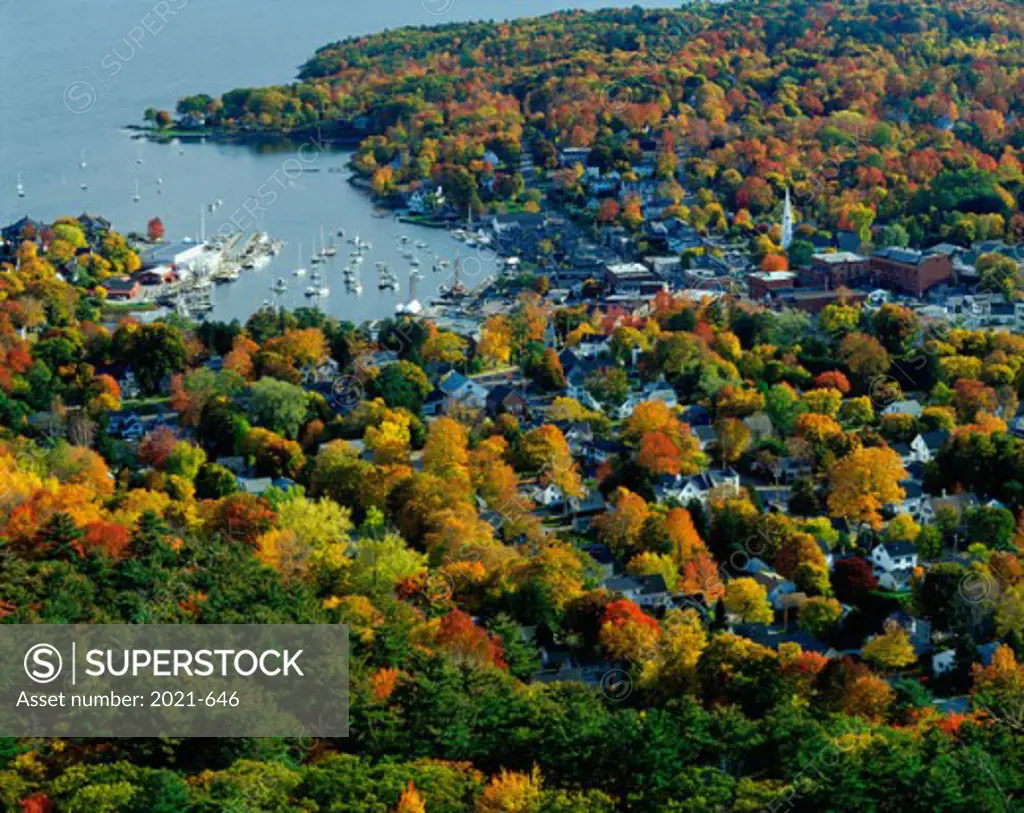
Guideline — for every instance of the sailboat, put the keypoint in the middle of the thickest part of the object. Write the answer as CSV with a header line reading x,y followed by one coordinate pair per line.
x,y
413,306
300,271
82,164
137,197
20,187
314,258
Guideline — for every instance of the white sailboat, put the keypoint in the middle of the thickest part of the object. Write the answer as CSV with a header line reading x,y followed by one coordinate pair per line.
x,y
82,164
299,270
137,197
20,187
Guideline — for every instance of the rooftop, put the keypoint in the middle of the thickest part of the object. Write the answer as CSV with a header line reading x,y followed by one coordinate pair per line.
x,y
838,257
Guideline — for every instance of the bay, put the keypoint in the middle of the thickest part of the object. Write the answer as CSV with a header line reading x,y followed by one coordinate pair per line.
x,y
76,72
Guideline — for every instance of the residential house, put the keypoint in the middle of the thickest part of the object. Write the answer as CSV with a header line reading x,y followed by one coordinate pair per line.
x,y
459,389
695,487
706,436
586,509
926,445
958,503
777,587
504,400
592,346
909,407
894,563
647,591
257,486
659,390
775,498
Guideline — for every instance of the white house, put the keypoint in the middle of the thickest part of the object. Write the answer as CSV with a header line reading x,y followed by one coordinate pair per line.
x,y
894,563
593,345
647,591
695,487
926,445
889,556
548,496
909,407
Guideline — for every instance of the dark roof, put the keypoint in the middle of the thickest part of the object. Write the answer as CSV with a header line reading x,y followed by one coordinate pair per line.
x,y
906,256
934,440
568,359
653,584
452,382
901,548
912,488
500,393
697,415
120,284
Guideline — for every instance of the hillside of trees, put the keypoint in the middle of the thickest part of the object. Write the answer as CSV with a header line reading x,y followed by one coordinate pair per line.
x,y
904,113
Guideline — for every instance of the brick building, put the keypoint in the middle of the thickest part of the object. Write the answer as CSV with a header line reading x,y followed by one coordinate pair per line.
x,y
765,283
910,271
840,268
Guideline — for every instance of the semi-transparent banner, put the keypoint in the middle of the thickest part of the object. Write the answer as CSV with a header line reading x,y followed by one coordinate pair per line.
x,y
165,680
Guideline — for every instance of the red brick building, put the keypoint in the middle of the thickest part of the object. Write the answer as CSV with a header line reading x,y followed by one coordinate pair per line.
x,y
814,301
909,271
764,283
836,269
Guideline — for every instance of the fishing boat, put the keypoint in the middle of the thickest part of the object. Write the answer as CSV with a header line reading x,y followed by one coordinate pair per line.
x,y
280,286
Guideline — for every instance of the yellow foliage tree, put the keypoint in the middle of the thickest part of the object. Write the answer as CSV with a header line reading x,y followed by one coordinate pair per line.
x,y
892,649
749,600
511,792
863,482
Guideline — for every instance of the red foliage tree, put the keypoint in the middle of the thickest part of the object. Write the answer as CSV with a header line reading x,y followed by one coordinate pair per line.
x,y
468,643
156,447
852,578
243,517
107,537
833,379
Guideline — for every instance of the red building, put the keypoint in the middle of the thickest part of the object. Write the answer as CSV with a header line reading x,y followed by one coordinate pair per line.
x,y
762,284
840,268
909,271
122,288
814,301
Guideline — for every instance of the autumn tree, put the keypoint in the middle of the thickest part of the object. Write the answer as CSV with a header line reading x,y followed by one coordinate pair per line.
x,y
749,600
892,649
628,633
546,451
864,355
865,481
620,527
820,614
